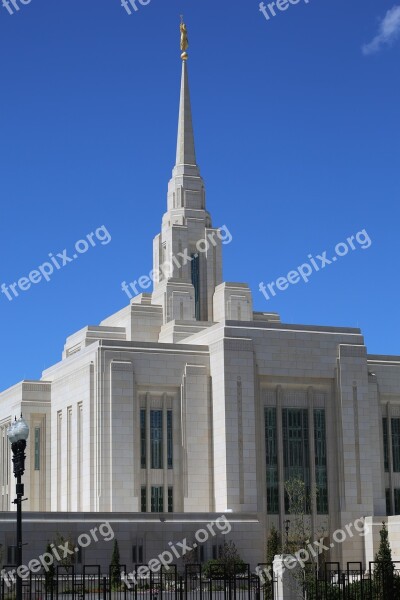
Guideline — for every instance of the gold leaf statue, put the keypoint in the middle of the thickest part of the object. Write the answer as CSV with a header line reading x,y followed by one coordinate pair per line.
x,y
184,40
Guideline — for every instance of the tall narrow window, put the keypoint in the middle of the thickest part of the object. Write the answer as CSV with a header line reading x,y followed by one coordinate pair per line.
x,y
157,498
271,460
170,499
162,272
321,476
396,501
69,456
140,551
385,443
60,470
137,552
388,502
396,444
37,448
79,454
143,499
12,555
195,266
170,449
143,438
156,439
296,458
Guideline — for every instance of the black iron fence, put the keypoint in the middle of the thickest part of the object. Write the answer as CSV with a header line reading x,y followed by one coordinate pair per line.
x,y
90,583
380,581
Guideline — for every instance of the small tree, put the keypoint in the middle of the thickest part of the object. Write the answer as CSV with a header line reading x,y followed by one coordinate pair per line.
x,y
67,542
384,567
115,566
49,572
228,564
191,558
384,553
212,567
300,501
230,559
274,547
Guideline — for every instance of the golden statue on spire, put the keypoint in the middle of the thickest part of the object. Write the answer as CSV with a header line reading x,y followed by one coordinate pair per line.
x,y
184,40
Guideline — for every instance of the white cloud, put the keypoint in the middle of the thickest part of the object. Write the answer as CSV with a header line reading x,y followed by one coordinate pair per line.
x,y
389,30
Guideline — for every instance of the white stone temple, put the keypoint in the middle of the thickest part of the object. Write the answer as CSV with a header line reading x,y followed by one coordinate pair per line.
x,y
186,405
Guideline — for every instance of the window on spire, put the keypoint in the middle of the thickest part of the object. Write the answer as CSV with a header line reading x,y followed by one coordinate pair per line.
x,y
196,283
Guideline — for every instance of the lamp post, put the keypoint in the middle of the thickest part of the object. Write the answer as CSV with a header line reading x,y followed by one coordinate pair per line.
x,y
287,527
18,433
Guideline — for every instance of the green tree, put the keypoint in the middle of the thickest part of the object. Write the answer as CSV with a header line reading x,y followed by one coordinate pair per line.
x,y
299,503
228,563
190,559
274,547
212,567
115,566
66,542
384,578
50,571
229,558
384,553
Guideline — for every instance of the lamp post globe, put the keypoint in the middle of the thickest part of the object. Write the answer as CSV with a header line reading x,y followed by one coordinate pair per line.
x,y
18,430
21,429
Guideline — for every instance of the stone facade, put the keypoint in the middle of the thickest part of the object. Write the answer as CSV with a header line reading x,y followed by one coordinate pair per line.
x,y
187,404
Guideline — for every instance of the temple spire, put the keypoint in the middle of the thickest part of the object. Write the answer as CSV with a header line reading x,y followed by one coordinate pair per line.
x,y
185,150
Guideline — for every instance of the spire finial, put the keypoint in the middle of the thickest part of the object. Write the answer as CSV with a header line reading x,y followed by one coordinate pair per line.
x,y
185,152
184,40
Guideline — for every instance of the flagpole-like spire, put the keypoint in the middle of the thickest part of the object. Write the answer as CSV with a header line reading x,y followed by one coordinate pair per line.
x,y
185,151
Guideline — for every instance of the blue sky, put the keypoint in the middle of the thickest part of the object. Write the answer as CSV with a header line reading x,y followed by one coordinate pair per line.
x,y
298,138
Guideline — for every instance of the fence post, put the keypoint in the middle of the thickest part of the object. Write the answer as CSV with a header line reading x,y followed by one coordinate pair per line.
x,y
181,587
258,587
104,588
